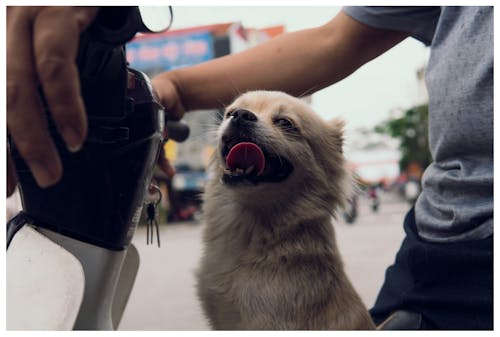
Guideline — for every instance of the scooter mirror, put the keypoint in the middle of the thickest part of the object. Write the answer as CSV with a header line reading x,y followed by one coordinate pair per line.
x,y
116,25
155,19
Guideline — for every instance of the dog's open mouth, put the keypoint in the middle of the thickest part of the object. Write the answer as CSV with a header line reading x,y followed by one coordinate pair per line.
x,y
247,162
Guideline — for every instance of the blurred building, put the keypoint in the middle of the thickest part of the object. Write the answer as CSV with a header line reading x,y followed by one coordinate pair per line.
x,y
372,157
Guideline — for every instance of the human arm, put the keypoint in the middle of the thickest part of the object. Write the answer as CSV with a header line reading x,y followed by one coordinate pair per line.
x,y
298,63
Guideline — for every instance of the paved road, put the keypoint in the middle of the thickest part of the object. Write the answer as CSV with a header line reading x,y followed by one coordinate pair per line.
x,y
164,297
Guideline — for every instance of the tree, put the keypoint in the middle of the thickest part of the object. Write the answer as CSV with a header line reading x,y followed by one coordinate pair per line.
x,y
412,131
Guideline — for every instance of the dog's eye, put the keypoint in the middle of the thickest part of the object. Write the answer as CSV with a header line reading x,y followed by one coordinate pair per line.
x,y
285,124
228,114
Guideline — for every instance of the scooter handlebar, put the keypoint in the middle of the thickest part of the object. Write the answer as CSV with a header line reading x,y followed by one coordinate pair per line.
x,y
177,131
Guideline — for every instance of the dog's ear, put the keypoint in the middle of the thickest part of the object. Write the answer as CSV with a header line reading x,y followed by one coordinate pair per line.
x,y
336,131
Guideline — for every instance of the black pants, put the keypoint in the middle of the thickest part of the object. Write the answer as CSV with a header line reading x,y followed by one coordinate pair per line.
x,y
450,284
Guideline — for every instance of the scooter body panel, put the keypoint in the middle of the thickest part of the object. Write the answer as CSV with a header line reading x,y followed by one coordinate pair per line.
x,y
102,268
45,283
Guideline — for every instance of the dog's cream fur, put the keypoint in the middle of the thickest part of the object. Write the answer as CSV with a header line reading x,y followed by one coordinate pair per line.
x,y
270,256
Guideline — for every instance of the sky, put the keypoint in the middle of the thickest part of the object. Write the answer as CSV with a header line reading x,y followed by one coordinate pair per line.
x,y
363,99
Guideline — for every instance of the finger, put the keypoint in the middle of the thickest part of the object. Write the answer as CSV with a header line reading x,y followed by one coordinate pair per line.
x,y
25,118
165,133
11,176
56,38
165,165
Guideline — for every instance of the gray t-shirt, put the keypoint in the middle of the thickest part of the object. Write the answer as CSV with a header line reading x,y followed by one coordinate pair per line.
x,y
456,203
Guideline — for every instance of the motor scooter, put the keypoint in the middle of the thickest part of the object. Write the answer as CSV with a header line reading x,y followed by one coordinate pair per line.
x,y
351,211
70,261
374,199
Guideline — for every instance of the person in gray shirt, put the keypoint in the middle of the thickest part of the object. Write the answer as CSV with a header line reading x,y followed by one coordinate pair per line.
x,y
442,277
455,207
456,203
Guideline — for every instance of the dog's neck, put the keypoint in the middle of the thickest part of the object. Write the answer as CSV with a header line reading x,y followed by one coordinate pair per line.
x,y
272,219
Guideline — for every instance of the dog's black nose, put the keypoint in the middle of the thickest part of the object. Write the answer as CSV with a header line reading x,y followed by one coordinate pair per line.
x,y
241,127
242,116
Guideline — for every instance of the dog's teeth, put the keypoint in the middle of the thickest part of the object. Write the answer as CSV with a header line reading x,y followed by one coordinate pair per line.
x,y
249,169
239,171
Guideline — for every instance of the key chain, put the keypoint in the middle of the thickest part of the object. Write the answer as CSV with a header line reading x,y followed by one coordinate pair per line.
x,y
151,218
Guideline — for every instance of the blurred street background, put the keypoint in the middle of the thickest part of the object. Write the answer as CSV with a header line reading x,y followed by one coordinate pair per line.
x,y
164,295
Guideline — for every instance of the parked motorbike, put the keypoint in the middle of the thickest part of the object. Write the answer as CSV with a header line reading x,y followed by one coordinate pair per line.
x,y
374,199
351,210
412,190
70,261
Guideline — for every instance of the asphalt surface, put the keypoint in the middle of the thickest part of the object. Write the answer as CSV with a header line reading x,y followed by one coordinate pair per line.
x,y
164,296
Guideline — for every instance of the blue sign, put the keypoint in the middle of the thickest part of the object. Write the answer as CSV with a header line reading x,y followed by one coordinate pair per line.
x,y
172,51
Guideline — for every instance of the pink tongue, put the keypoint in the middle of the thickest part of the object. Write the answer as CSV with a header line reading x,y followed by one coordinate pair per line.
x,y
245,154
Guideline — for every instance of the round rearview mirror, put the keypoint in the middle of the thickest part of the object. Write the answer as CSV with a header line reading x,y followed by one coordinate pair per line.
x,y
156,19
